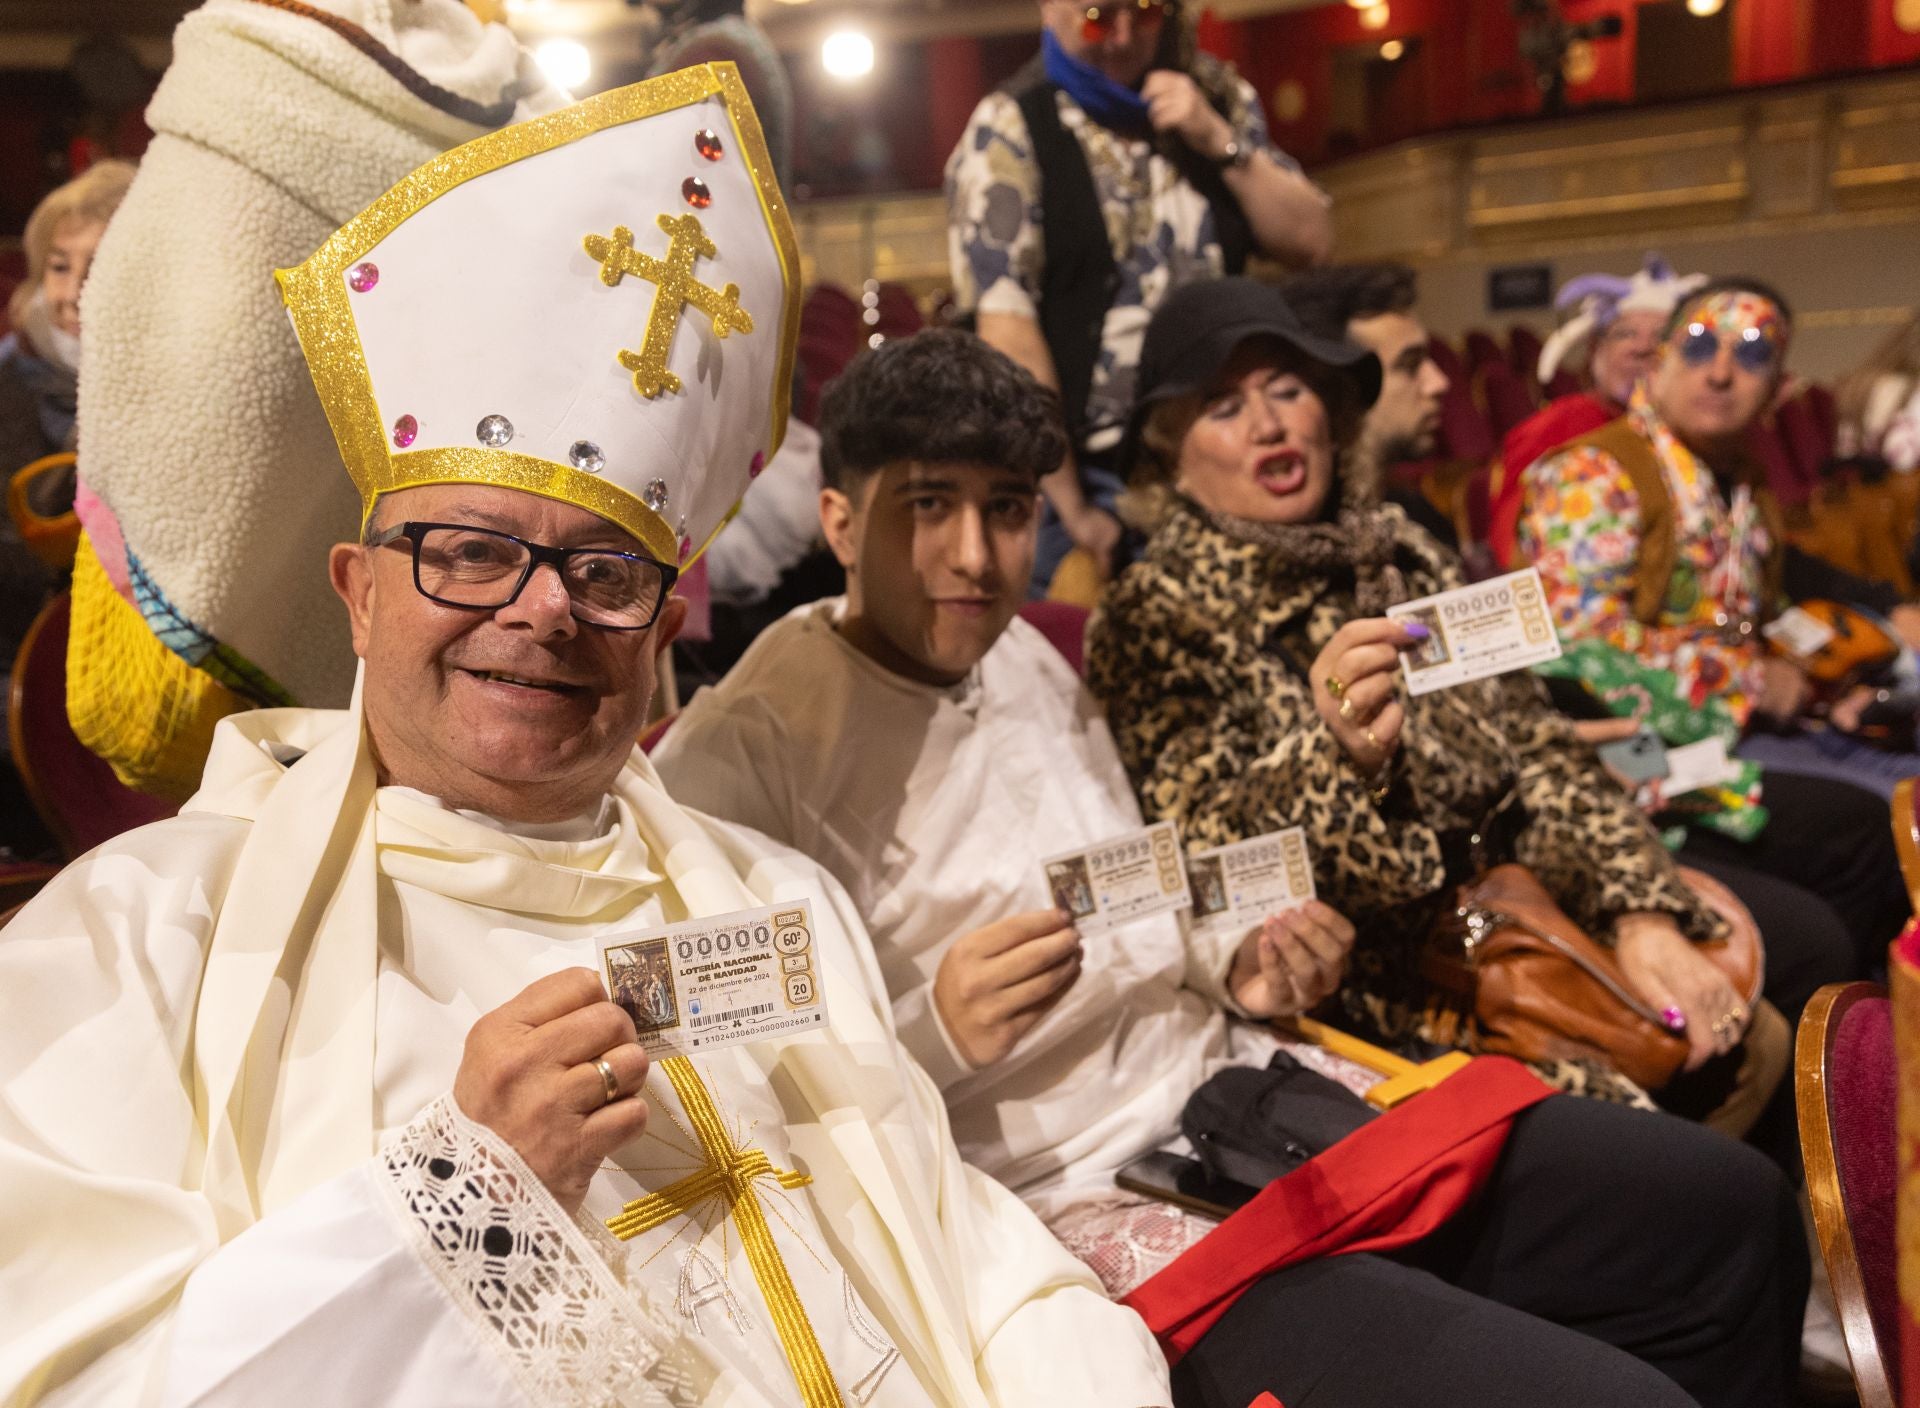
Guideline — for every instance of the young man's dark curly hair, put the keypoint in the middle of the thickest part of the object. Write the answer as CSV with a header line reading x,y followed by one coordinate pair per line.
x,y
938,397
1326,299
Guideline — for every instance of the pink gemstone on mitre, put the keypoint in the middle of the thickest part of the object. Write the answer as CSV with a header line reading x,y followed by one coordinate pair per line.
x,y
404,431
362,277
707,142
686,547
758,463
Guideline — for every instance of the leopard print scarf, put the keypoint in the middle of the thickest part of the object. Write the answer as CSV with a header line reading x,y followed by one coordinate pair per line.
x,y
1360,537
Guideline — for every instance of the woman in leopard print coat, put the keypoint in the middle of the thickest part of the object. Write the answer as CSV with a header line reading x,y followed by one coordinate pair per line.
x,y
1266,577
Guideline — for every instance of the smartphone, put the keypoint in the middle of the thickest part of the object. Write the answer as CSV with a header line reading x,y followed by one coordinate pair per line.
x,y
1182,1181
1641,758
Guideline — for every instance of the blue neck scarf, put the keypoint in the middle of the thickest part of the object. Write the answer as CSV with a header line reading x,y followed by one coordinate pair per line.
x,y
1106,100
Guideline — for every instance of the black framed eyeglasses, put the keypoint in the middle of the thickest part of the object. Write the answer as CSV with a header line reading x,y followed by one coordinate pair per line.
x,y
481,569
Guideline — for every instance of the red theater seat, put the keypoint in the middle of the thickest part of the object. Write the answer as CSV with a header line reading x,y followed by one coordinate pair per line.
x,y
1844,1087
1063,624
75,792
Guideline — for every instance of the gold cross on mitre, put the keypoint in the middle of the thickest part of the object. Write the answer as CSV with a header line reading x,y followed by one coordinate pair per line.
x,y
729,1175
676,288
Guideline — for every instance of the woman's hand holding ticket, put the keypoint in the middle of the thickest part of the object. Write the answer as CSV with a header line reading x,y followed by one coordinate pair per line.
x,y
1356,687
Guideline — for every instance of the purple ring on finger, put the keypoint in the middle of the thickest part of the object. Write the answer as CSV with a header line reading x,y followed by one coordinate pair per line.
x,y
1675,1019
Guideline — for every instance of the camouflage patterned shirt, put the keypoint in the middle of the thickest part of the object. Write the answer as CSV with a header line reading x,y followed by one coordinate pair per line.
x,y
1161,229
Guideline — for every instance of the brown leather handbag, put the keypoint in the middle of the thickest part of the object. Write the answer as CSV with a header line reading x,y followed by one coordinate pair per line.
x,y
1538,988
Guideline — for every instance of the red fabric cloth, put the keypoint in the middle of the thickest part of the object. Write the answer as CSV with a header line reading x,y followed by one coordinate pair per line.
x,y
1266,1400
1388,1184
1566,419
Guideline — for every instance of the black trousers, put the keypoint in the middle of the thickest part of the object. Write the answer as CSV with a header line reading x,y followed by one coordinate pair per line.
x,y
1617,1259
1831,843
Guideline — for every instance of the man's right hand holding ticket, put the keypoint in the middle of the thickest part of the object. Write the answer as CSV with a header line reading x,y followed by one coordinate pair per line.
x,y
1356,687
1293,962
996,983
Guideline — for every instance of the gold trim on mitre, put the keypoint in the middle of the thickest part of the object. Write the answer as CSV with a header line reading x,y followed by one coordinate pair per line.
x,y
317,298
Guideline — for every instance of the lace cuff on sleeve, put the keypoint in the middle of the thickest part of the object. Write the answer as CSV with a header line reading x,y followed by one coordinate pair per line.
x,y
546,1296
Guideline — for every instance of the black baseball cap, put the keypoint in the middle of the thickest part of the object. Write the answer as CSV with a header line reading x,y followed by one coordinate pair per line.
x,y
1196,329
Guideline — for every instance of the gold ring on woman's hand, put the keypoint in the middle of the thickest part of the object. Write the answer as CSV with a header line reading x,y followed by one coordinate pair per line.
x,y
608,1080
1336,686
1373,742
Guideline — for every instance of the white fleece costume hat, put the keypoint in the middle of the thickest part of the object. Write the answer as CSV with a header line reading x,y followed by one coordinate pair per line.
x,y
598,306
1601,298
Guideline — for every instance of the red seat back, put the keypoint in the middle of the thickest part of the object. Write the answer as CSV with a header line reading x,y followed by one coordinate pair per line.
x,y
1482,351
1506,397
76,793
1523,351
1861,1096
1806,441
1063,624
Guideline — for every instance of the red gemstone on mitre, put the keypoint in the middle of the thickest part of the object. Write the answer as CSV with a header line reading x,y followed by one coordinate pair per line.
x,y
362,277
404,431
758,463
686,547
697,193
707,142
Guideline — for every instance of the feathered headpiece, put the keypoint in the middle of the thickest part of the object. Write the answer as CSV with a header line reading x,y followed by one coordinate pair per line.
x,y
1600,298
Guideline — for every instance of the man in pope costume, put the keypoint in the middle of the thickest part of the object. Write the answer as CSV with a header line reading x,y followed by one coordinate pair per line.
x,y
307,1097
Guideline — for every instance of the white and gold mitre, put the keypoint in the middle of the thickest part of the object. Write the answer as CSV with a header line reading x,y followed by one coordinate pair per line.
x,y
599,305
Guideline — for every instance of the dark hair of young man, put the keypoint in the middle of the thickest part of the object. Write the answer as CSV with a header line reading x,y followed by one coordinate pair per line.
x,y
1732,283
1328,298
939,397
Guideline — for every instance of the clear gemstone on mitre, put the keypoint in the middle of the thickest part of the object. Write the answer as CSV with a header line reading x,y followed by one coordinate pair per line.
x,y
493,431
584,454
654,496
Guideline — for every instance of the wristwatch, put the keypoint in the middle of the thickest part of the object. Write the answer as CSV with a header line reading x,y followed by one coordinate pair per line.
x,y
1234,157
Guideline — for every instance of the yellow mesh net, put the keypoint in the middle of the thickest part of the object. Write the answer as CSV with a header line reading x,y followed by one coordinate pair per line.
x,y
130,699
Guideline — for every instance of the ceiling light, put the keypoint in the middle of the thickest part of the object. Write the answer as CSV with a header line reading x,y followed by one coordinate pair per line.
x,y
1703,8
1392,50
566,62
1374,17
847,54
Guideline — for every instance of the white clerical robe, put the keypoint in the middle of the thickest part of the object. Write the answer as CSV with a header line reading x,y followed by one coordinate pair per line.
x,y
234,1172
935,807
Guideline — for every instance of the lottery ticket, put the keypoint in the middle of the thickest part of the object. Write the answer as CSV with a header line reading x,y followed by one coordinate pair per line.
x,y
1239,885
709,983
1117,881
1486,629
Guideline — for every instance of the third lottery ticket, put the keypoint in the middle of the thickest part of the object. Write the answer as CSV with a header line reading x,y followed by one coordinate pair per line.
x,y
1486,629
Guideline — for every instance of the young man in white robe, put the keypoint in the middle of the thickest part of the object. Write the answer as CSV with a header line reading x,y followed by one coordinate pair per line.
x,y
929,748
314,1094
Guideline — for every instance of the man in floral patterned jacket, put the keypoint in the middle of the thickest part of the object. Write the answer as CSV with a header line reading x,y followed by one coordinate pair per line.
x,y
1656,534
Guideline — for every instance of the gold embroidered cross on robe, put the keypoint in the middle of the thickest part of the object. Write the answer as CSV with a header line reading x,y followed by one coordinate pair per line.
x,y
729,1174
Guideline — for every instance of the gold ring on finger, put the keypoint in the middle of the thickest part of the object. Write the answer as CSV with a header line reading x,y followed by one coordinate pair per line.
x,y
1372,742
1336,686
608,1080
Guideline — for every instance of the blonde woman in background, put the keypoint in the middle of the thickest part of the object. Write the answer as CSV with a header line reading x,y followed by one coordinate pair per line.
x,y
40,358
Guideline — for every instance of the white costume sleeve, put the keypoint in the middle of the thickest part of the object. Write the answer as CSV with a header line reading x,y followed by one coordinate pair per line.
x,y
439,1273
114,1285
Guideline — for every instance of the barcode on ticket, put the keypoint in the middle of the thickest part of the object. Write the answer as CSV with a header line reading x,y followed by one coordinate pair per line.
x,y
757,1010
